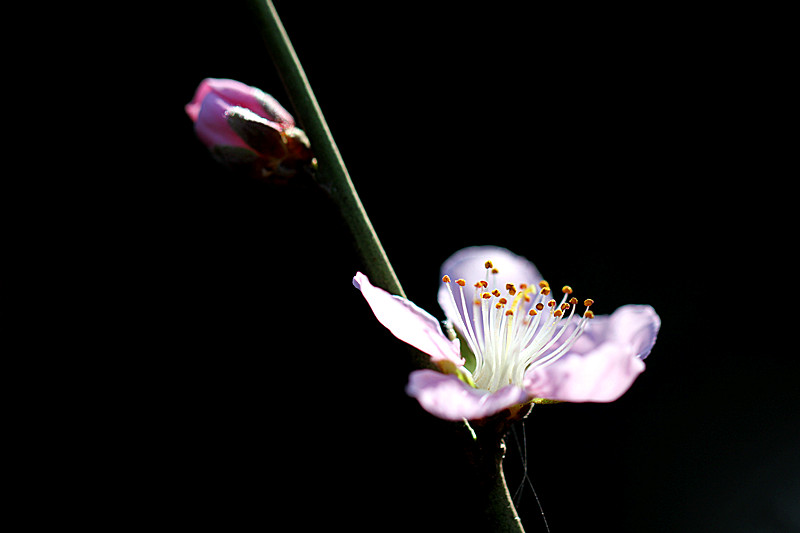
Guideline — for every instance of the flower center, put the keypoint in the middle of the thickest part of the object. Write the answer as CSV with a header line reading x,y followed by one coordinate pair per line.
x,y
514,329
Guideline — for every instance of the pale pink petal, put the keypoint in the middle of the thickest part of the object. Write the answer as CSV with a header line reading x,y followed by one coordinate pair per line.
x,y
605,360
602,375
446,396
636,326
408,322
469,264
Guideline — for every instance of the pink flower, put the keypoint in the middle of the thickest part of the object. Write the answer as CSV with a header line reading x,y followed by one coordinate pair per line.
x,y
244,126
511,339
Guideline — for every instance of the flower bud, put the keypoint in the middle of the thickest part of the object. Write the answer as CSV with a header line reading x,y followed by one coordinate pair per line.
x,y
244,127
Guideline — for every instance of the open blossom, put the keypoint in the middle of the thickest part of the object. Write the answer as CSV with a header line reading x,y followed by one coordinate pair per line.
x,y
244,126
519,340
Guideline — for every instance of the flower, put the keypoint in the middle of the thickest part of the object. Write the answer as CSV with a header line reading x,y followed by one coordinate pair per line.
x,y
512,339
244,126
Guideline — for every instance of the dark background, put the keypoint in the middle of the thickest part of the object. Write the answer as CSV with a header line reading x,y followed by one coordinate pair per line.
x,y
634,154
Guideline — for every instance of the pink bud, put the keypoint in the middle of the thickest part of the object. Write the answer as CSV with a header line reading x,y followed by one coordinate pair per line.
x,y
244,126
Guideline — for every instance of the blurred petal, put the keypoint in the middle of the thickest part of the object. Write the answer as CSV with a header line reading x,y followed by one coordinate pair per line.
x,y
469,264
446,396
636,326
408,322
212,125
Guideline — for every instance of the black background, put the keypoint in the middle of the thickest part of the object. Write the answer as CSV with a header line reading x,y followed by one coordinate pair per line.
x,y
634,154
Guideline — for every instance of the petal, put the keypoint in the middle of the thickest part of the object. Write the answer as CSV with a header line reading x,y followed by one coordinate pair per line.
x,y
212,124
469,264
601,375
636,326
408,322
605,360
446,396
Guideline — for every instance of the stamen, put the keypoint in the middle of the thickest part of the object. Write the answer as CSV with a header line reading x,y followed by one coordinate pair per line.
x,y
506,348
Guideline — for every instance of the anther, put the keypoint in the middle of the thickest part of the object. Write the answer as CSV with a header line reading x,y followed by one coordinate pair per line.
x,y
558,312
588,301
488,264
503,301
533,312
495,271
486,295
511,289
543,284
523,286
510,312
496,292
446,278
572,300
545,290
551,303
566,289
565,306
589,314
540,306
461,282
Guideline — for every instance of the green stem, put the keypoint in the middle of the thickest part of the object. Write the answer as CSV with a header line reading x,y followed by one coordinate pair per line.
x,y
485,455
332,173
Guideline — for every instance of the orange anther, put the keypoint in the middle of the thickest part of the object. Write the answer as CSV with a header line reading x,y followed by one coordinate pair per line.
x,y
461,282
446,278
